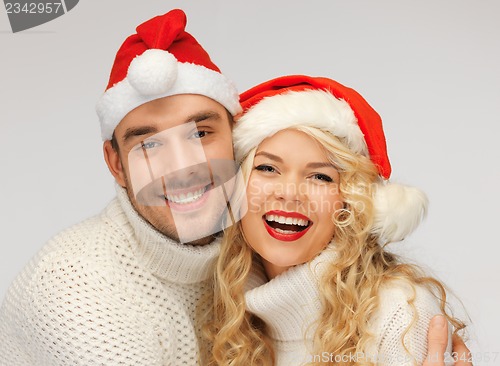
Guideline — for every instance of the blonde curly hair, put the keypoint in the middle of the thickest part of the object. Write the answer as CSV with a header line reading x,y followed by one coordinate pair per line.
x,y
348,286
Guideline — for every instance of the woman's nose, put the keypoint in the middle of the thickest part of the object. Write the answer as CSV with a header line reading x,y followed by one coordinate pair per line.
x,y
290,188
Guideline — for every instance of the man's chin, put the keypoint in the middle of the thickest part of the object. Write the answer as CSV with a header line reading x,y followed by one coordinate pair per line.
x,y
196,225
197,230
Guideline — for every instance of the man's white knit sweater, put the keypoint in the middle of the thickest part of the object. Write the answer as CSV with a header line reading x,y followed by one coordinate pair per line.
x,y
290,306
108,291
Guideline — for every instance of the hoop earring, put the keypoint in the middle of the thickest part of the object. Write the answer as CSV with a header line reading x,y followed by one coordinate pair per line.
x,y
343,217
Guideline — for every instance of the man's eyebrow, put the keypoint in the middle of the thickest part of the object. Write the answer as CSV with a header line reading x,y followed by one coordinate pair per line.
x,y
139,131
145,130
202,116
270,156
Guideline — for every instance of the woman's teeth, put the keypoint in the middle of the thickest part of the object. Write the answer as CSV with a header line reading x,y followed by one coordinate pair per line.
x,y
284,231
286,220
189,197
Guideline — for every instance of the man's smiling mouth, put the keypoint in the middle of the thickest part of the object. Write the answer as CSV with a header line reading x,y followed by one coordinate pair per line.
x,y
187,197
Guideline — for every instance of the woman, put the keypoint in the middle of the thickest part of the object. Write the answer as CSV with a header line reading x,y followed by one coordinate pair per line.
x,y
304,278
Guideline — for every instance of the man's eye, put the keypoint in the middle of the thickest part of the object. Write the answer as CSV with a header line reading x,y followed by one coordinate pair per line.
x,y
323,177
265,168
149,144
199,134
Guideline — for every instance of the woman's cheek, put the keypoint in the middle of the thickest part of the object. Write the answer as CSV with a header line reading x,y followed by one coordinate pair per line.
x,y
256,194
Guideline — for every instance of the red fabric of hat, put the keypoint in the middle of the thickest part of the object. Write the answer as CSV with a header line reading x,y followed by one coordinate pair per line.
x,y
161,60
164,32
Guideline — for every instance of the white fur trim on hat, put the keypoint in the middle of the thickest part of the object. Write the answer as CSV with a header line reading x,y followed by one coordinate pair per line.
x,y
123,97
398,211
313,108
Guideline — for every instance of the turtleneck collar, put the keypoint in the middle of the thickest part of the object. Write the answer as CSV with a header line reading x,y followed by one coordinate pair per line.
x,y
289,304
166,258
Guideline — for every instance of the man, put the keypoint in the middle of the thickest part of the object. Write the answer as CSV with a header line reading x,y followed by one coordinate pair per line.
x,y
130,286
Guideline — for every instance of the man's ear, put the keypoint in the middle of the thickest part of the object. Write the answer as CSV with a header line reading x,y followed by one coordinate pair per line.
x,y
112,158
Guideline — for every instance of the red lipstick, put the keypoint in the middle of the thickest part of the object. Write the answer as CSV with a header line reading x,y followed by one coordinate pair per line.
x,y
285,236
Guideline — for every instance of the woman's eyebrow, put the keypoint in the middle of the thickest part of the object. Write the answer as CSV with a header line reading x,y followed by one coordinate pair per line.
x,y
315,165
270,156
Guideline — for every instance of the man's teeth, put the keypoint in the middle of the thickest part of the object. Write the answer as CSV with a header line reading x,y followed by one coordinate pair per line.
x,y
186,198
287,220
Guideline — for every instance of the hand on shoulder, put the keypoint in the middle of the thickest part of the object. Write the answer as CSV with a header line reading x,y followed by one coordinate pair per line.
x,y
437,342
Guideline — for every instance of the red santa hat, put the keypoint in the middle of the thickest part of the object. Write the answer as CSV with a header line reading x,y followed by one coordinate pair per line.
x,y
297,100
161,60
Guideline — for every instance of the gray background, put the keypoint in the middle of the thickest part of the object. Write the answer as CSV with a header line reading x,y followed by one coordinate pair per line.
x,y
430,68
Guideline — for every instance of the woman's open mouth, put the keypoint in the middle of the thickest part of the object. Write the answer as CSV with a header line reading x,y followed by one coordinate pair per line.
x,y
286,226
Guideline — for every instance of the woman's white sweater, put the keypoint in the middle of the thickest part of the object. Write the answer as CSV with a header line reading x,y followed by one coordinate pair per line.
x,y
108,291
290,306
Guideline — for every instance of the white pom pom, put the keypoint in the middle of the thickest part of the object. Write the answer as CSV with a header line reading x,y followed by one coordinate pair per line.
x,y
398,211
152,73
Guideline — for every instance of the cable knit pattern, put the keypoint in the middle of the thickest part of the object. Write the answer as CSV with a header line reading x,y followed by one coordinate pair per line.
x,y
108,291
290,305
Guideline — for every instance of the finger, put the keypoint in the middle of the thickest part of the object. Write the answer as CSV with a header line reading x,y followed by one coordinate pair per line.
x,y
437,339
464,357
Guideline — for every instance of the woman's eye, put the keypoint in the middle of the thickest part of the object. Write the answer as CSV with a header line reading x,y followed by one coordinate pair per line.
x,y
265,168
323,177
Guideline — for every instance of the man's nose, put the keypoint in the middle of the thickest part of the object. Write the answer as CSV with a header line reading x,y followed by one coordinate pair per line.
x,y
182,159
